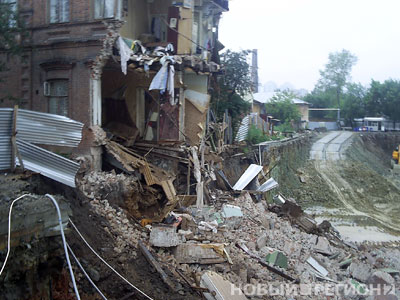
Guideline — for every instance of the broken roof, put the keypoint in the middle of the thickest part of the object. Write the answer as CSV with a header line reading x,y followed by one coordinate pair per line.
x,y
135,54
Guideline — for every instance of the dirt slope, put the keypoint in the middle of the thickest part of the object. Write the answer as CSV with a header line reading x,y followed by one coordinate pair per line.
x,y
356,189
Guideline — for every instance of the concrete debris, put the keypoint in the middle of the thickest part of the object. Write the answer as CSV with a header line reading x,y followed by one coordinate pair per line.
x,y
262,241
165,236
209,226
230,211
360,271
220,289
200,254
323,246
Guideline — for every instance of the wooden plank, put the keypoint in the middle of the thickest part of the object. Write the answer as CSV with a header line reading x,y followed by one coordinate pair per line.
x,y
14,149
169,189
146,253
148,177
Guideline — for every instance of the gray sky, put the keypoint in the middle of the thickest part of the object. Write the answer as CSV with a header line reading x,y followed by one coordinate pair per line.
x,y
294,37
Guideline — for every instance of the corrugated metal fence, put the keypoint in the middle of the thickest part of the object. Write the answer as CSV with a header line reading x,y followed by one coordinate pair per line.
x,y
40,128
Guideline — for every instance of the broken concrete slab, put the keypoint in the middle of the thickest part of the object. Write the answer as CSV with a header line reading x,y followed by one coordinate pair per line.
x,y
220,289
262,241
165,236
323,246
200,253
380,277
229,211
381,282
360,271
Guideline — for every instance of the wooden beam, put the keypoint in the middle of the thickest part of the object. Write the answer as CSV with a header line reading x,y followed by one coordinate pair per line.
x,y
146,253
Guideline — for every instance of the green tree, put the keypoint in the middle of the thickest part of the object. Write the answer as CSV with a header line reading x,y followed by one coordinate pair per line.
x,y
354,103
337,72
12,31
282,108
384,99
231,88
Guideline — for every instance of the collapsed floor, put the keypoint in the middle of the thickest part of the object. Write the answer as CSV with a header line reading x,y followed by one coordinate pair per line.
x,y
119,215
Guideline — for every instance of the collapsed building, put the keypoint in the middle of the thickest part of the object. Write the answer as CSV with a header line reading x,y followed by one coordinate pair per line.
x,y
94,62
121,90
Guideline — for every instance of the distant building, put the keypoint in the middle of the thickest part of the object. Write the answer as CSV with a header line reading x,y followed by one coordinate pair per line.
x,y
260,99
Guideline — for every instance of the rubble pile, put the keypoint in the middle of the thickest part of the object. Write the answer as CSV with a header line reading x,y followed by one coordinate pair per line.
x,y
229,237
119,227
264,233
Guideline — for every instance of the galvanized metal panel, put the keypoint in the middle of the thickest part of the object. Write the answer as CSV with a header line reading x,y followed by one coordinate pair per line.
x,y
268,185
48,163
243,129
49,129
251,172
5,153
5,138
6,115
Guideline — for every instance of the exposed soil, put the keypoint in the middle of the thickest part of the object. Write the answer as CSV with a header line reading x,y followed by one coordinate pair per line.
x,y
359,190
105,235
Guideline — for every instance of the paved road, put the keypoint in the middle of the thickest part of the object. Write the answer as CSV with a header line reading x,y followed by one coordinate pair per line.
x,y
331,146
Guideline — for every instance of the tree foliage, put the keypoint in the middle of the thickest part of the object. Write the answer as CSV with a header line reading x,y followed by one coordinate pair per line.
x,y
353,102
12,31
231,87
282,107
337,72
384,99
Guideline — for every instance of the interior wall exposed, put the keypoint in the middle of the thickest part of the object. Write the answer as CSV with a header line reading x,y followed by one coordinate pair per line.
x,y
137,19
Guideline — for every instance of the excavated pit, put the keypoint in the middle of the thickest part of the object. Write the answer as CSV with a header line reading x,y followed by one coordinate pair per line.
x,y
357,192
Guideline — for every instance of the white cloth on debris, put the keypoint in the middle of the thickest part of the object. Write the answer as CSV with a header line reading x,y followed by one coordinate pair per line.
x,y
125,53
165,78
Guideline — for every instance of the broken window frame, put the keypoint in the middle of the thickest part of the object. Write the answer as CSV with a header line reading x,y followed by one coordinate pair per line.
x,y
59,11
58,102
107,9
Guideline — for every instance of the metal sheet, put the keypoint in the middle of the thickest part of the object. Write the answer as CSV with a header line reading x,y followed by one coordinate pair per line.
x,y
5,138
47,163
5,153
251,172
268,185
317,266
48,129
243,129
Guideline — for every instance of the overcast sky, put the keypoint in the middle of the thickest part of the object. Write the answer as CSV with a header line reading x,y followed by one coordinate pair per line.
x,y
294,37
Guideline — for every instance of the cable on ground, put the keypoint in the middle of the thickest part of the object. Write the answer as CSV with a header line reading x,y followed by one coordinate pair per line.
x,y
85,273
62,236
108,265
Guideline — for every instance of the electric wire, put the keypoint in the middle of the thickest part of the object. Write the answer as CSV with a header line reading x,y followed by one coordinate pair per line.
x,y
107,264
62,236
85,273
65,245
